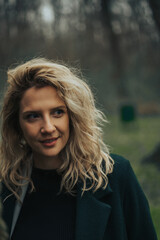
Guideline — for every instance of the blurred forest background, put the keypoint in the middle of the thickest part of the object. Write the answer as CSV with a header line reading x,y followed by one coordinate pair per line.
x,y
116,43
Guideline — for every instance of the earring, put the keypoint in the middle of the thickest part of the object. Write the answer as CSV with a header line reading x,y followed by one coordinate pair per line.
x,y
42,130
22,143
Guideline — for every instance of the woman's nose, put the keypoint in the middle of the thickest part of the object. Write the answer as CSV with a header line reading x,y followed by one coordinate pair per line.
x,y
48,126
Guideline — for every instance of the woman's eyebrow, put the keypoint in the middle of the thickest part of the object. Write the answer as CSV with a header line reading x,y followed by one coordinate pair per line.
x,y
62,106
39,111
59,107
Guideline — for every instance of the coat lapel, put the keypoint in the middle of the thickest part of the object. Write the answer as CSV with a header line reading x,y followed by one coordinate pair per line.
x,y
12,207
92,215
18,204
17,208
8,201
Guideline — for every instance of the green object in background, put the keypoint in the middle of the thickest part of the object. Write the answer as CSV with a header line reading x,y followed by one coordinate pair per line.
x,y
127,113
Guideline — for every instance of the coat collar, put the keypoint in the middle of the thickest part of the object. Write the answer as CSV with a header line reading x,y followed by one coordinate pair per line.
x,y
92,214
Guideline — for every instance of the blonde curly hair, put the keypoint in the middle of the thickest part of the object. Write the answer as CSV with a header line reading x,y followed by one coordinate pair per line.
x,y
85,156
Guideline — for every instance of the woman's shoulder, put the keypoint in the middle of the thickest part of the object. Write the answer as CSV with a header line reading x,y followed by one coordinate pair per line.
x,y
121,165
119,160
124,180
123,175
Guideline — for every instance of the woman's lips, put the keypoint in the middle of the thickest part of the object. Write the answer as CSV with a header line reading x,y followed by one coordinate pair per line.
x,y
49,142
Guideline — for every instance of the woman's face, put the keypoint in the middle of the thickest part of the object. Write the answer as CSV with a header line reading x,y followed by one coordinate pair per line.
x,y
44,121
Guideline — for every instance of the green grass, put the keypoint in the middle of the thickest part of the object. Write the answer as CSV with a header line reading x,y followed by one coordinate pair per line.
x,y
134,142
155,211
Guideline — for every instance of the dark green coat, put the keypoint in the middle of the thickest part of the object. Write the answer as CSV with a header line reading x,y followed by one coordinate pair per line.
x,y
119,212
3,232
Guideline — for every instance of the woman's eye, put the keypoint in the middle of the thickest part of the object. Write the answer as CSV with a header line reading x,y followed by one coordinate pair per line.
x,y
32,116
58,113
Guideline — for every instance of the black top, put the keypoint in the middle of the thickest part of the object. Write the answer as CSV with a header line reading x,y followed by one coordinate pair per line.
x,y
46,214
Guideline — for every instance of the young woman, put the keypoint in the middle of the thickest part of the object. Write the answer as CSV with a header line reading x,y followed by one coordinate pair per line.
x,y
59,180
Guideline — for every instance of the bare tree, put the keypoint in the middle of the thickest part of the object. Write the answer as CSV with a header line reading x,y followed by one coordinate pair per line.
x,y
155,6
